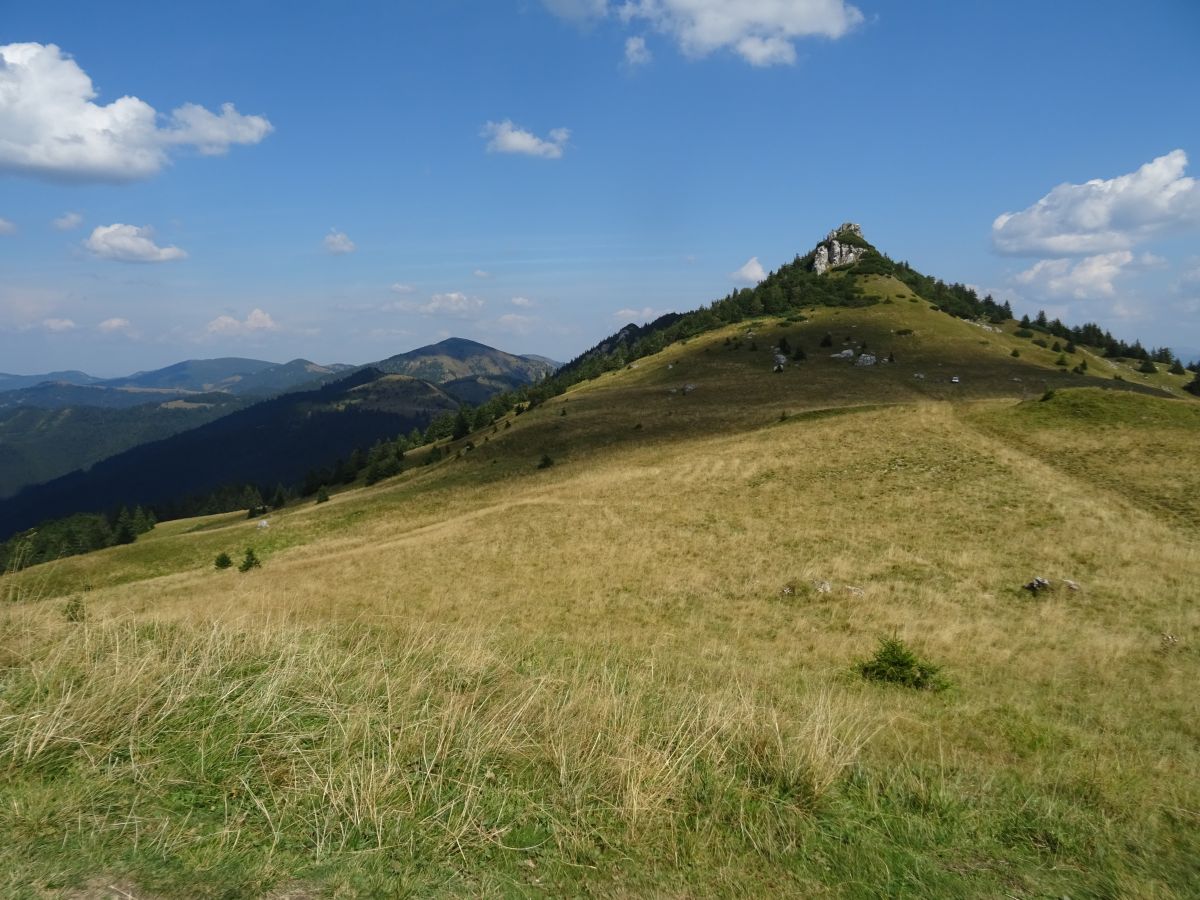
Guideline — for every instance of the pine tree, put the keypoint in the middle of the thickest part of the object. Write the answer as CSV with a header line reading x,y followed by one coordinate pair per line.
x,y
250,561
279,498
322,495
123,531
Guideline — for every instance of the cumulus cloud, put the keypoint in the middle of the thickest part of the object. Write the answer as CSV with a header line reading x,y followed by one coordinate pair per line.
x,y
227,326
522,302
115,326
1092,277
68,221
7,227
455,305
482,273
751,273
338,243
400,288
645,314
129,243
636,52
58,325
505,137
1104,215
52,128
761,32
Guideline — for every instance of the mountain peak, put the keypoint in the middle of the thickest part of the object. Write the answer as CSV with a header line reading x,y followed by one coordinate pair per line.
x,y
843,246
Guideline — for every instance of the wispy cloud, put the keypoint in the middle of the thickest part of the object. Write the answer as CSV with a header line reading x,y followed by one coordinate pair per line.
x,y
68,221
338,243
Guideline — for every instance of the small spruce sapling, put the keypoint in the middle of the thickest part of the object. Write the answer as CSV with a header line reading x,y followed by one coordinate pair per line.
x,y
251,561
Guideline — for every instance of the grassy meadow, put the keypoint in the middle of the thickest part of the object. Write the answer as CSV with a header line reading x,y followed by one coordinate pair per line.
x,y
632,673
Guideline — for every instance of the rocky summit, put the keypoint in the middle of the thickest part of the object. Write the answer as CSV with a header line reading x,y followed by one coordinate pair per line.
x,y
833,252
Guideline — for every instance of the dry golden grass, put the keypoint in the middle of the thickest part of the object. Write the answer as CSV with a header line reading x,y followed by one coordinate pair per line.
x,y
624,668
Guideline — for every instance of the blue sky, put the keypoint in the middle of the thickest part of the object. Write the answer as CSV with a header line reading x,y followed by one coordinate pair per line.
x,y
535,173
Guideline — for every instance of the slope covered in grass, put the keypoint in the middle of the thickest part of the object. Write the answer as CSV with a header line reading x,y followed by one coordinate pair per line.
x,y
634,672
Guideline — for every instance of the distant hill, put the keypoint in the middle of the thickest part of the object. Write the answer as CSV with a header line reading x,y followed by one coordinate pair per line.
x,y
16,382
276,440
455,359
231,374
38,444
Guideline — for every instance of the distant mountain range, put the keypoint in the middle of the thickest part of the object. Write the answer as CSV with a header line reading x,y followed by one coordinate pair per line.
x,y
69,421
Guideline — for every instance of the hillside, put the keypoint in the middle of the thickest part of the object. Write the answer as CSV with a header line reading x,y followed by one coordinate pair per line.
x,y
457,359
39,444
275,441
631,671
16,382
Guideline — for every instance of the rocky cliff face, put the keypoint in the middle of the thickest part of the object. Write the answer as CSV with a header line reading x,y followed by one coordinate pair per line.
x,y
831,252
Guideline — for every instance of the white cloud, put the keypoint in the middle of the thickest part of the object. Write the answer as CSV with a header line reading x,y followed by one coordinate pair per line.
x,y
636,52
505,137
68,221
577,10
7,227
1087,278
517,323
115,326
227,326
645,314
751,273
399,288
129,243
760,31
1102,216
338,243
58,325
455,305
482,273
522,302
1093,277
53,130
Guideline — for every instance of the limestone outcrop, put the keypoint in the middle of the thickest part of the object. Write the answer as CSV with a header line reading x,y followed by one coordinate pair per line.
x,y
832,252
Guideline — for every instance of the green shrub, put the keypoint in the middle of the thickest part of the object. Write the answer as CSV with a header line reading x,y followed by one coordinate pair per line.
x,y
1148,368
894,663
1062,360
322,495
1049,395
545,462
1023,333
1015,352
251,561
1040,342
222,561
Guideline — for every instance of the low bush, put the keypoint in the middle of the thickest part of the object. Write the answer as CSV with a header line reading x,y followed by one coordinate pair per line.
x,y
895,663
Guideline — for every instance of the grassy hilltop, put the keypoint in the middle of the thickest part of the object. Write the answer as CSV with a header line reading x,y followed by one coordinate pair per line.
x,y
631,671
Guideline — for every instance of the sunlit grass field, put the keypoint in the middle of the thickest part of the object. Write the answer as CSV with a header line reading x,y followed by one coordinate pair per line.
x,y
632,673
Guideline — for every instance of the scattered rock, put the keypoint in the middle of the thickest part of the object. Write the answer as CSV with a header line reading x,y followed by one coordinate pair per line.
x,y
865,360
856,591
823,587
1038,585
848,353
1071,585
919,376
688,388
